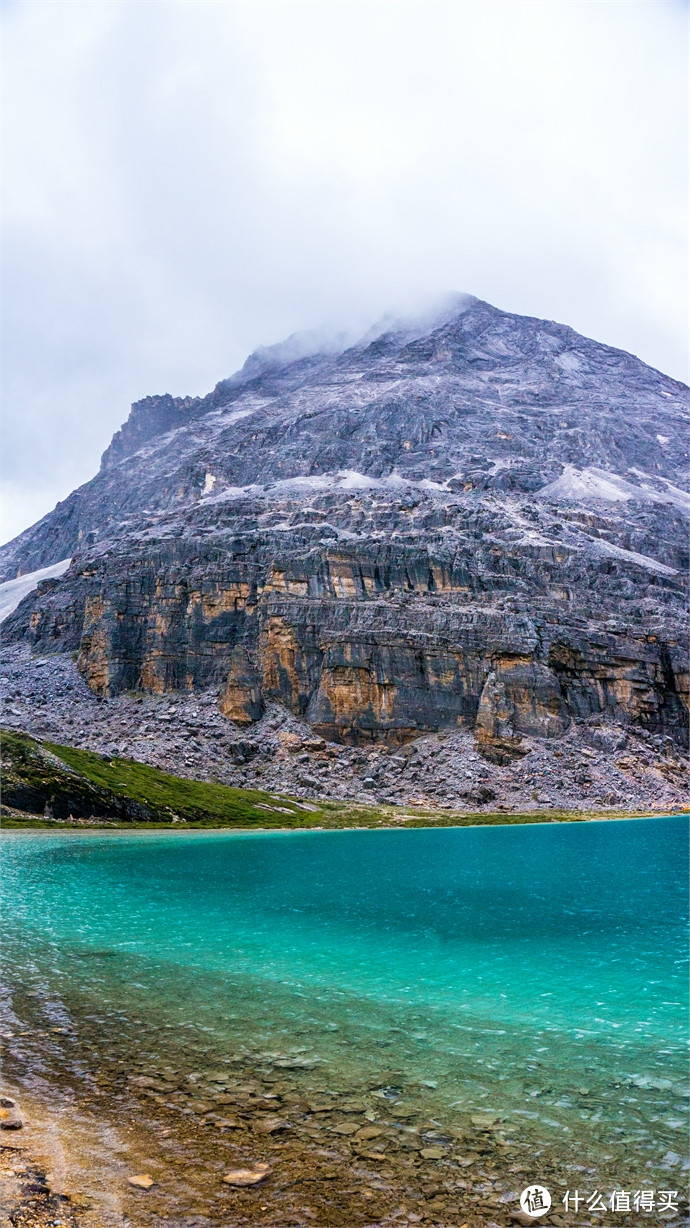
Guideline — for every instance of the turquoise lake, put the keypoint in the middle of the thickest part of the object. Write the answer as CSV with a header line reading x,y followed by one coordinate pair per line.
x,y
538,972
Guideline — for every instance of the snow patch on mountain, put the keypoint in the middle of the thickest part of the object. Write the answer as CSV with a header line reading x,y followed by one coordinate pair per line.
x,y
341,480
631,556
585,485
14,591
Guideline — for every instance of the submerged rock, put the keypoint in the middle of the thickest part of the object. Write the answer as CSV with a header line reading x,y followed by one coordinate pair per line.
x,y
144,1181
10,1116
270,1125
247,1176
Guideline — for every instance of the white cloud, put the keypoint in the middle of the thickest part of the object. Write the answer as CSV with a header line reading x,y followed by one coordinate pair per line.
x,y
186,181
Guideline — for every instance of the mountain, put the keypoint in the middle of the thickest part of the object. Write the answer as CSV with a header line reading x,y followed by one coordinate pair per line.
x,y
475,522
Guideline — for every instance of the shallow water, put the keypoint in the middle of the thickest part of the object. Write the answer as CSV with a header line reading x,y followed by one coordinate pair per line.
x,y
537,974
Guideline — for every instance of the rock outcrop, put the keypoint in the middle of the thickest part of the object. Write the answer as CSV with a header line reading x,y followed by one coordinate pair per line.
x,y
474,524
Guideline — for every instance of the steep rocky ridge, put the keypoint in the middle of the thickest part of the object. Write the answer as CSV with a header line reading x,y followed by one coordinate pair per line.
x,y
473,524
597,764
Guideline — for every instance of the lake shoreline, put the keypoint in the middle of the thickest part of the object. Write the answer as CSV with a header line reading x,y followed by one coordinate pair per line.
x,y
53,785
56,1171
37,1186
19,821
131,1157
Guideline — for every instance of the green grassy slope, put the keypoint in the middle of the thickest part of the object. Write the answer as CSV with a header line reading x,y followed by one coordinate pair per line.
x,y
83,785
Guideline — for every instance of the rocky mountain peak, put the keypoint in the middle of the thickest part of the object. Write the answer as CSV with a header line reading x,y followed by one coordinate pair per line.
x,y
471,520
152,416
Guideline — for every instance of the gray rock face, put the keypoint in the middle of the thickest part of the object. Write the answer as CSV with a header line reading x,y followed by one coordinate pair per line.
x,y
595,765
478,522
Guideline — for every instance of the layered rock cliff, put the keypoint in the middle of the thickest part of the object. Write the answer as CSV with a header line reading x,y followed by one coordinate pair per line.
x,y
477,522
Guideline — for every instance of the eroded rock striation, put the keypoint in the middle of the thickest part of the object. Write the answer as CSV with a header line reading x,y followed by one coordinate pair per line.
x,y
476,523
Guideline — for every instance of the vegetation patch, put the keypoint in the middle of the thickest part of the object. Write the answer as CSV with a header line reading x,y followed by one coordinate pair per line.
x,y
64,784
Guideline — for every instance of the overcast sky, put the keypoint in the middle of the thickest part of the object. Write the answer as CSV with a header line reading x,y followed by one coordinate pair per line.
x,y
186,181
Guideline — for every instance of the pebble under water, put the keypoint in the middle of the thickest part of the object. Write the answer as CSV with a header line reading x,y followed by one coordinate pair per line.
x,y
406,1026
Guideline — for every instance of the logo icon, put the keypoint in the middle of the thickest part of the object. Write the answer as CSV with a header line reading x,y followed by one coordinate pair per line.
x,y
535,1200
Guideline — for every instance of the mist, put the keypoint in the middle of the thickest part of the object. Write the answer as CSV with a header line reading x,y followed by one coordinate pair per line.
x,y
186,182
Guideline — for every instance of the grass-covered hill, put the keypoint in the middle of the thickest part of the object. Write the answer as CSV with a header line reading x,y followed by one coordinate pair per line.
x,y
61,783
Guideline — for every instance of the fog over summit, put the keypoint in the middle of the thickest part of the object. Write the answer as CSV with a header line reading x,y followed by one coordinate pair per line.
x,y
186,183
